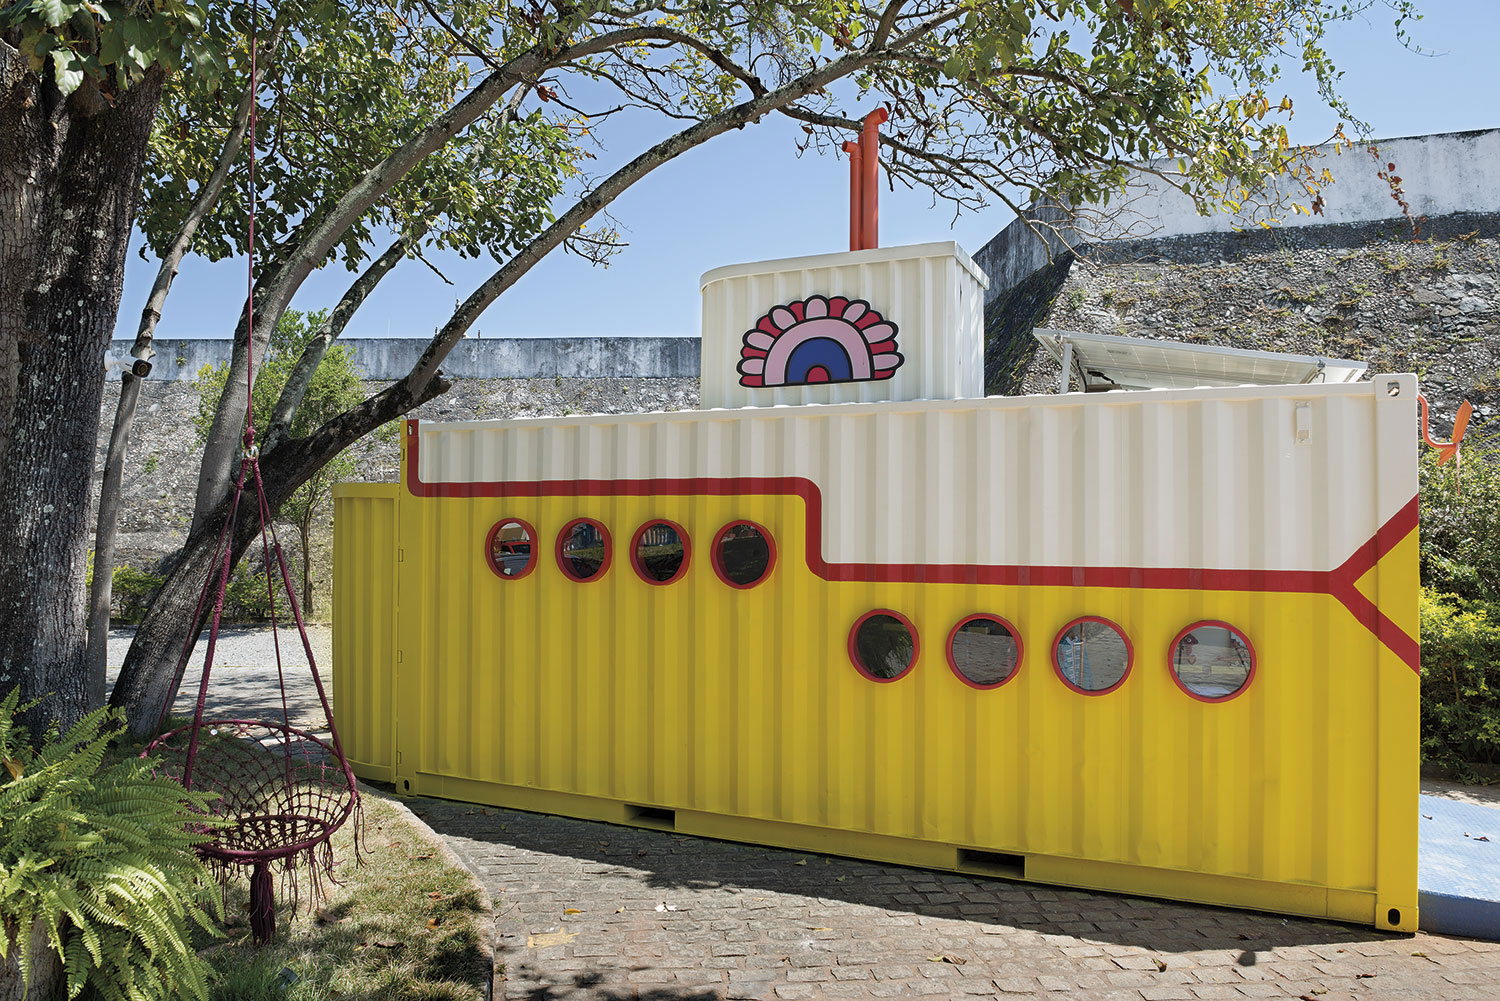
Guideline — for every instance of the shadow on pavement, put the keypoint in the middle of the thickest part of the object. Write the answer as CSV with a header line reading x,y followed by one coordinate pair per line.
x,y
665,861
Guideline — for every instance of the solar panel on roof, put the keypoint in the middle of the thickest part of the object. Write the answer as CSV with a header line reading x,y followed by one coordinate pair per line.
x,y
1109,361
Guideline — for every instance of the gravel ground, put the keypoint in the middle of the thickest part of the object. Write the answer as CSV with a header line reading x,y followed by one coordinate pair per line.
x,y
243,684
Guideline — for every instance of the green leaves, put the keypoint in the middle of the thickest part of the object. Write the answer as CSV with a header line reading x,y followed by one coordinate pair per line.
x,y
349,83
54,12
113,44
67,70
1460,682
102,857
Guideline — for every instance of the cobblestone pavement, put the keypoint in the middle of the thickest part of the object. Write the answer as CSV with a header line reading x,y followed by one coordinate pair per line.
x,y
587,910
243,683
741,921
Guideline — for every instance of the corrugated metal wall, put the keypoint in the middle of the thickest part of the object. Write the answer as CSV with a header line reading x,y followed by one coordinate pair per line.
x,y
1206,479
741,711
364,615
932,292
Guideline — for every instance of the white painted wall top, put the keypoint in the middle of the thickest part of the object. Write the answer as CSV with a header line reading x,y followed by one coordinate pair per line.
x,y
1440,174
888,324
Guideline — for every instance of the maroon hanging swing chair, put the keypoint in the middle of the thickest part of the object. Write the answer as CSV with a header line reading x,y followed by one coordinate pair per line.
x,y
282,791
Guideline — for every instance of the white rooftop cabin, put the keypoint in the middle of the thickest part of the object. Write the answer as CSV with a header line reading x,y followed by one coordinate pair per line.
x,y
1094,363
866,326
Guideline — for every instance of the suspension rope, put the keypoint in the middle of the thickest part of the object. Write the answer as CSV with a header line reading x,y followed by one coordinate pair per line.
x,y
250,239
288,803
249,475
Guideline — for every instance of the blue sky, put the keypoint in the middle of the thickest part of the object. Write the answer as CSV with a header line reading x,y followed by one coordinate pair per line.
x,y
746,196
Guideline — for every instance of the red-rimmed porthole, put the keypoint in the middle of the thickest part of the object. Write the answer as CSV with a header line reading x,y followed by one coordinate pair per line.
x,y
743,554
1211,661
583,550
1092,655
984,651
510,548
660,551
883,645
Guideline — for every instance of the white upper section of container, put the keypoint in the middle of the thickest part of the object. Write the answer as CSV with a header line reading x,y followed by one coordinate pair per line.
x,y
866,326
1253,478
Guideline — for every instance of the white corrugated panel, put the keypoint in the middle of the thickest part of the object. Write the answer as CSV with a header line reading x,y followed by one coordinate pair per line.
x,y
932,293
1211,479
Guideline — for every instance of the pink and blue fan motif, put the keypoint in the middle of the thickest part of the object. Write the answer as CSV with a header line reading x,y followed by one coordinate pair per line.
x,y
819,340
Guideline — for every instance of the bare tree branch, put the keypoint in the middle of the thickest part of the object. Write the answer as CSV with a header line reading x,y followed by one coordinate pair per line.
x,y
316,237
106,527
595,200
302,374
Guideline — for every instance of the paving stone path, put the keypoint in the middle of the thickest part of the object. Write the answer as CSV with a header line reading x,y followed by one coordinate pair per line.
x,y
244,683
593,911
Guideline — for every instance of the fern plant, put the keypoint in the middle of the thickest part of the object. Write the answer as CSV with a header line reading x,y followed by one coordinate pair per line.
x,y
100,858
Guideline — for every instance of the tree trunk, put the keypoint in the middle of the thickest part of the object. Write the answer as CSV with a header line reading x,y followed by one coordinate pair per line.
x,y
304,529
46,968
69,175
106,528
101,592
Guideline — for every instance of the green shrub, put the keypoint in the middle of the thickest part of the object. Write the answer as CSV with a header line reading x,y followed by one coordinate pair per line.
x,y
246,599
1460,552
133,592
1460,682
100,856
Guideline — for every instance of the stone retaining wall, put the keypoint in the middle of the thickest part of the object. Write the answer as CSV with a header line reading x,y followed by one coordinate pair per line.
x,y
388,358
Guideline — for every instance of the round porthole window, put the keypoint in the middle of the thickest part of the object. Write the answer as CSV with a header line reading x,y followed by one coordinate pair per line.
x,y
984,651
511,547
743,554
1092,655
883,645
1212,661
659,552
583,550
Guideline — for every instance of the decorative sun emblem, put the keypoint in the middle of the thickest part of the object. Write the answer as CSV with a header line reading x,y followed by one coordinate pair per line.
x,y
819,340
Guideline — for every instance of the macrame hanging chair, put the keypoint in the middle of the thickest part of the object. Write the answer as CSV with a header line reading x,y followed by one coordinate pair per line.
x,y
281,791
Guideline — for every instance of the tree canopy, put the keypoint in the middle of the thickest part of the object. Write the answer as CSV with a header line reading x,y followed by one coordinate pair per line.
x,y
344,87
111,46
469,125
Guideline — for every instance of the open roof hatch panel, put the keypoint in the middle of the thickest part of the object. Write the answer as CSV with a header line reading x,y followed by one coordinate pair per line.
x,y
1108,361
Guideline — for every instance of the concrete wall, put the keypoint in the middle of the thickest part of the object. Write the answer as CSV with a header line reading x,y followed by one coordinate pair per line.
x,y
386,358
1441,175
1017,252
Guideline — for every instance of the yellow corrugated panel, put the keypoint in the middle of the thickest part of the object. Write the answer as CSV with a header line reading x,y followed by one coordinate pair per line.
x,y
364,624
740,709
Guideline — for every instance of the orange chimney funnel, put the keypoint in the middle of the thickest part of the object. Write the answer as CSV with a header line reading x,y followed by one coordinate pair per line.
x,y
855,201
869,156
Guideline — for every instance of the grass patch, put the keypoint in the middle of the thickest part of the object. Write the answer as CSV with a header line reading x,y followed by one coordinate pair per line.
x,y
404,924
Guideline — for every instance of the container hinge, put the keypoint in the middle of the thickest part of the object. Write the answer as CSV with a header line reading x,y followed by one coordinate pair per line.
x,y
400,555
1304,423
